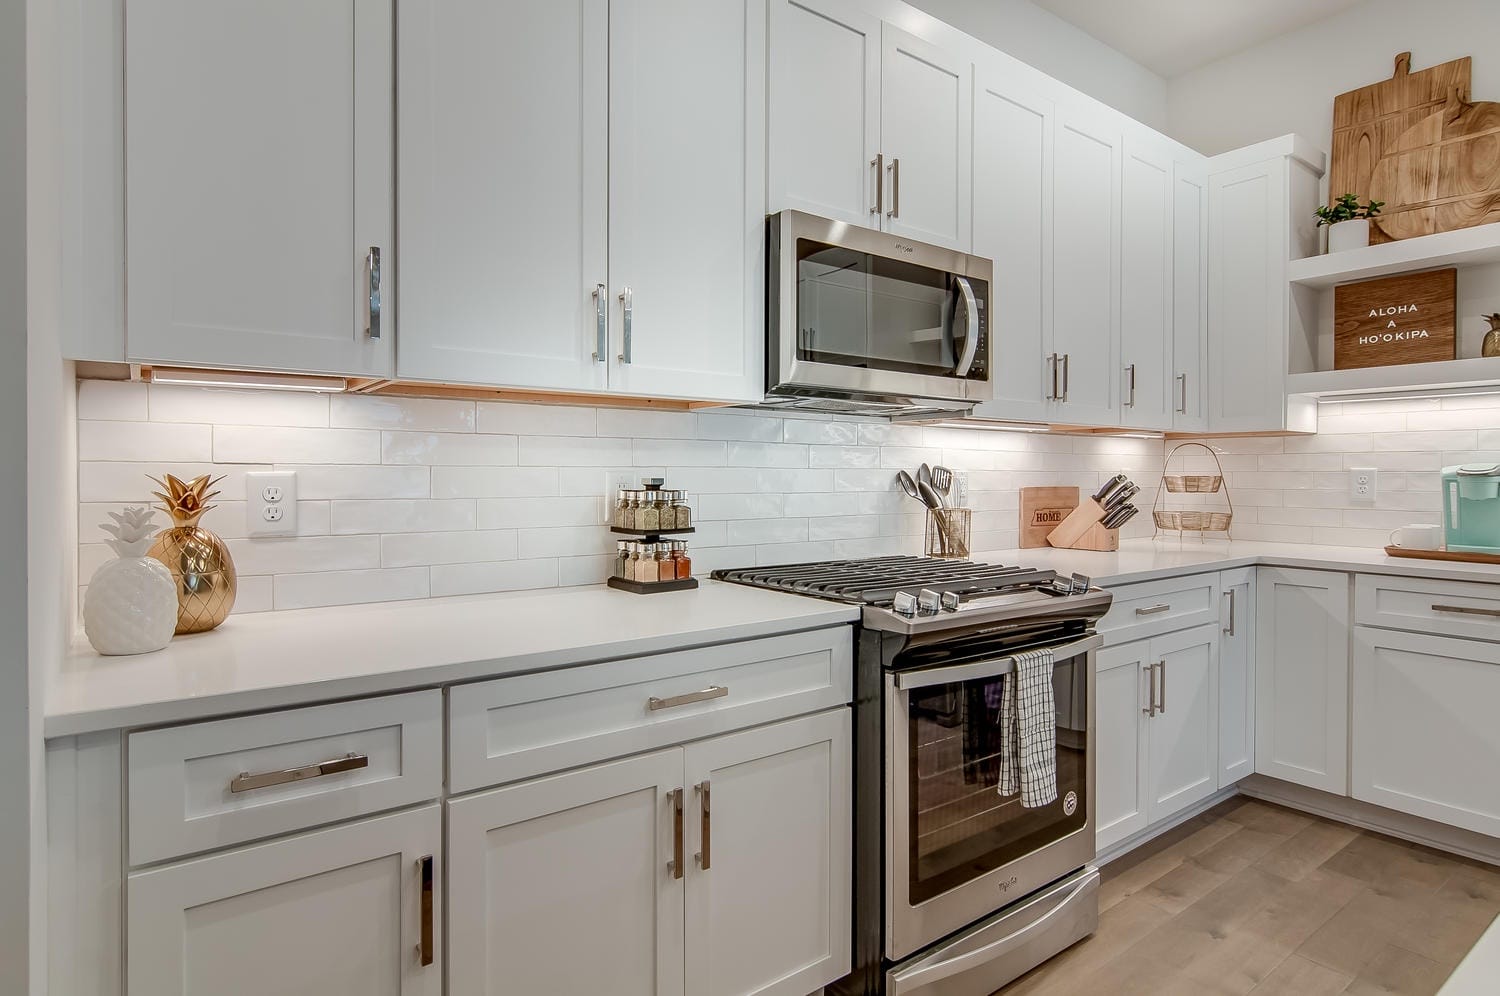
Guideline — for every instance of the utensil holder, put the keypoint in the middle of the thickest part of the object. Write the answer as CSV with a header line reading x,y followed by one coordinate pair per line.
x,y
947,534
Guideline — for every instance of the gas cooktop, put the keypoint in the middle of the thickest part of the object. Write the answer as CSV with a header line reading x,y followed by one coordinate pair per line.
x,y
907,594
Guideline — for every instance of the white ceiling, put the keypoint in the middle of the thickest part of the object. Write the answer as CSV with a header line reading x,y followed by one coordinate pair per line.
x,y
1171,37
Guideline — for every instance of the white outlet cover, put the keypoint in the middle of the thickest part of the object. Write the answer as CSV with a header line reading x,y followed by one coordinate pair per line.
x,y
1364,484
271,503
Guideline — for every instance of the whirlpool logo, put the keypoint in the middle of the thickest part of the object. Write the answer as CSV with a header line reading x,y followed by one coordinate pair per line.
x,y
1006,884
903,247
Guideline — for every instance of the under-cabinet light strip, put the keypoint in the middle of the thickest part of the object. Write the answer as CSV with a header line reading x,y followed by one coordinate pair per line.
x,y
257,381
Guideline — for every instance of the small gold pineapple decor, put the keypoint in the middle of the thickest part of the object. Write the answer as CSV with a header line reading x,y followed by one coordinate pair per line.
x,y
202,569
1491,345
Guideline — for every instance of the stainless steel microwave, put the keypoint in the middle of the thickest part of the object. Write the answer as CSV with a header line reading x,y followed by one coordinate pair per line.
x,y
865,321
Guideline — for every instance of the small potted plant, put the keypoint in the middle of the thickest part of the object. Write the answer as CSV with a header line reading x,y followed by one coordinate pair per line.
x,y
1348,222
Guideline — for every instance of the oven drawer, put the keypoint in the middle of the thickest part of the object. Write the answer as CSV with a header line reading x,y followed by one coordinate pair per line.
x,y
1423,605
513,728
198,787
1154,607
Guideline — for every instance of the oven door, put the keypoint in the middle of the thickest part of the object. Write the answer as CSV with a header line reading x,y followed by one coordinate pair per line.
x,y
956,850
867,313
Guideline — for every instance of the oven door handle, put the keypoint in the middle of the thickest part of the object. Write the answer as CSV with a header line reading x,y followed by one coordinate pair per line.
x,y
992,668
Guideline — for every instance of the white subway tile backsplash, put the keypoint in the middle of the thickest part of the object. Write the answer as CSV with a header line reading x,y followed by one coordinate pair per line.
x,y
130,483
679,452
113,400
756,531
425,549
736,425
448,449
574,451
741,454
564,541
843,527
220,406
756,506
645,424
253,594
515,575
144,441
821,504
298,555
492,482
793,553
361,482
401,515
362,411
843,456
528,513
535,420
821,433
281,444
306,591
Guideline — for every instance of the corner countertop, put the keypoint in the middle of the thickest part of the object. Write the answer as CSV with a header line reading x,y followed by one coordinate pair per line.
x,y
1150,560
276,659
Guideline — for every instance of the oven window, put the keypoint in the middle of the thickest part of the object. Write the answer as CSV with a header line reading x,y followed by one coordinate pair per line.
x,y
859,310
961,827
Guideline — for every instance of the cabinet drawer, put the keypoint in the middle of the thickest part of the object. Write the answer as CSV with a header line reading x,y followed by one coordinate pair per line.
x,y
1152,607
1423,605
193,788
512,728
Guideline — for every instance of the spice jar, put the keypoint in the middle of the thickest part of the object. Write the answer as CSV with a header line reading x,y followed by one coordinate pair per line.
x,y
682,565
648,516
622,557
665,570
645,567
622,511
682,515
664,514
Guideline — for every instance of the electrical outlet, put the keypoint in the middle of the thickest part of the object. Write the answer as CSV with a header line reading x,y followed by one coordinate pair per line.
x,y
271,503
1364,484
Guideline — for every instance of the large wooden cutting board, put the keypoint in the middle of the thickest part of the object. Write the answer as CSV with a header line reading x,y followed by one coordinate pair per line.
x,y
1442,173
1368,120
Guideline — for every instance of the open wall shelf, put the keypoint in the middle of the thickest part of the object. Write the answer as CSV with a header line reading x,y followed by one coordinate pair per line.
x,y
1445,375
1464,247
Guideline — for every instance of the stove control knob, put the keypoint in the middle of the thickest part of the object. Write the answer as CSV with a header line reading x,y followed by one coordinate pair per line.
x,y
904,604
928,601
950,601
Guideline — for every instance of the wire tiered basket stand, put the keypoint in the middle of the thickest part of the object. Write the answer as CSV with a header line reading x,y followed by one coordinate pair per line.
x,y
1194,520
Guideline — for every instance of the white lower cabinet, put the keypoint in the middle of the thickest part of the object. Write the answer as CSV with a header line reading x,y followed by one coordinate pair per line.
x,y
337,912
1424,732
1157,717
718,867
1302,677
1237,676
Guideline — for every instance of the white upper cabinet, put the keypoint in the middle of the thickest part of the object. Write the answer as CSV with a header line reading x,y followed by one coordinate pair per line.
x,y
259,184
1013,226
1188,388
1085,276
926,127
824,86
504,170
687,198
1146,270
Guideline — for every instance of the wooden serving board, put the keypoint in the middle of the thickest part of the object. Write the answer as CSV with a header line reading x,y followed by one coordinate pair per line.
x,y
1043,510
1449,555
1388,321
1442,173
1368,120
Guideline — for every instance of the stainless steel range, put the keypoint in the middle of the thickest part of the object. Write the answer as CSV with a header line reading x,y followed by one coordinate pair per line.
x,y
958,889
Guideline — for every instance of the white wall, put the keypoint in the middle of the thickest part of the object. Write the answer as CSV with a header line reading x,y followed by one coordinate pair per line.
x,y
1041,39
1288,83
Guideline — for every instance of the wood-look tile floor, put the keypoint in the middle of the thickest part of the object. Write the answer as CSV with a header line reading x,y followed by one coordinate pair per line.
x,y
1250,897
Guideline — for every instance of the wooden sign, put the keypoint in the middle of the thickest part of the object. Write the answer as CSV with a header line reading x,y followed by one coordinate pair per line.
x,y
1368,121
1441,174
1043,510
1410,318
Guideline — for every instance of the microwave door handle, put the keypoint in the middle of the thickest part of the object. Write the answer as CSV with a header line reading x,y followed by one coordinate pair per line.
x,y
991,668
971,339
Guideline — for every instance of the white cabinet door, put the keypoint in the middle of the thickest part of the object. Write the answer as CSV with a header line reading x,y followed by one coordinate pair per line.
x,y
338,912
1013,227
1188,387
1302,677
824,86
1146,271
563,884
1237,676
768,901
687,198
258,181
926,131
504,186
1121,702
1184,733
1085,276
1424,735
1247,256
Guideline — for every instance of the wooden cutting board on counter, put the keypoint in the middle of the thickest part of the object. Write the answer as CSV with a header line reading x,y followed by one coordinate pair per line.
x,y
1043,510
1442,173
1368,120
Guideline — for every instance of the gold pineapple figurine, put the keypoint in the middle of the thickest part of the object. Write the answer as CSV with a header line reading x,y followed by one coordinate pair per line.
x,y
202,569
1491,345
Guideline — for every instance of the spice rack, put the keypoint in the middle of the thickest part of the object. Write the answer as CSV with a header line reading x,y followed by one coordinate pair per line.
x,y
646,564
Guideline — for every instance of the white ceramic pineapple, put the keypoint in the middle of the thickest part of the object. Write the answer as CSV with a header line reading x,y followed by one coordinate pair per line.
x,y
130,606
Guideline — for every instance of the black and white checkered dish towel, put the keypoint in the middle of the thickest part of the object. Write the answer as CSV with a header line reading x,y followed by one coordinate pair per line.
x,y
1028,731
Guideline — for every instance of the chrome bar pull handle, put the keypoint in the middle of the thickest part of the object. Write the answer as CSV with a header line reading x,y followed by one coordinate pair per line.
x,y
245,781
1152,610
627,309
895,170
878,164
1468,610
711,692
705,829
1130,385
1065,365
1161,702
675,865
1229,630
1052,367
601,347
372,275
1150,709
1182,394
426,946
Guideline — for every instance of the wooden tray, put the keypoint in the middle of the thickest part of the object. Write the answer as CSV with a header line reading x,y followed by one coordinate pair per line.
x,y
1452,555
651,587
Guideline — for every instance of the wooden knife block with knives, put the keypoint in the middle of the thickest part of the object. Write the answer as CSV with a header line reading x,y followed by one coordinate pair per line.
x,y
1055,517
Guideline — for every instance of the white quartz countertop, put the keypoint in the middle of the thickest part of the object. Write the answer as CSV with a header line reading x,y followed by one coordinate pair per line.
x,y
275,659
1148,560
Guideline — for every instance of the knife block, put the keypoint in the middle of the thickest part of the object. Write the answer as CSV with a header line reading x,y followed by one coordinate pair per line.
x,y
1081,530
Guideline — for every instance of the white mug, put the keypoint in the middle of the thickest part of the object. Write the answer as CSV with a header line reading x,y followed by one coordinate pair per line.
x,y
1418,537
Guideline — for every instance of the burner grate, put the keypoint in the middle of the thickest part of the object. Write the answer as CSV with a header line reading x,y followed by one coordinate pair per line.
x,y
877,580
